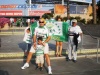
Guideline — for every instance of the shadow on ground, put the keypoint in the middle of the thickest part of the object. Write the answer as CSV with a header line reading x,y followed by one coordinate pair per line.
x,y
3,72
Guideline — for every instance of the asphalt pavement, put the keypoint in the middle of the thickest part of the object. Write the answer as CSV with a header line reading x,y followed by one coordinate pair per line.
x,y
84,66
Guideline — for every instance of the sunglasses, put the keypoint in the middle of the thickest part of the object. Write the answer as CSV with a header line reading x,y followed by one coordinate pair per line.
x,y
41,22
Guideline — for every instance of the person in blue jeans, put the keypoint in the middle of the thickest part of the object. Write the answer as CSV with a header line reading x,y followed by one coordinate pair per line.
x,y
28,40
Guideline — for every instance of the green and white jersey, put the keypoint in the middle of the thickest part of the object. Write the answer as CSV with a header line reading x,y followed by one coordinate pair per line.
x,y
39,50
29,39
41,32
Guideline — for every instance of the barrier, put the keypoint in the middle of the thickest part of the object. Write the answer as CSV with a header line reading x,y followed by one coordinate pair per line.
x,y
96,39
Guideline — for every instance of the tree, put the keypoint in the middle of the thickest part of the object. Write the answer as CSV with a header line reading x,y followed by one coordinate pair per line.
x,y
47,15
98,10
94,11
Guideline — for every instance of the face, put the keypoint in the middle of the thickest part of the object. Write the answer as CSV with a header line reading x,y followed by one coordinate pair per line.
x,y
59,19
74,23
41,22
39,42
28,31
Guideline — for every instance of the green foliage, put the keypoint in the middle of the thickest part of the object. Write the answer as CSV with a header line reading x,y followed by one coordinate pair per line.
x,y
58,16
64,19
47,15
89,21
50,15
83,21
72,18
78,18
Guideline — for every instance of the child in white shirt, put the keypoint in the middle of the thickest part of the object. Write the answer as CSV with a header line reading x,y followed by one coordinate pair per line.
x,y
27,39
39,54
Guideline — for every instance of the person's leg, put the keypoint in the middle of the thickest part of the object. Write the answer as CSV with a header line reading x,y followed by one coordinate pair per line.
x,y
60,52
26,49
57,48
69,51
41,62
46,54
47,59
28,46
74,53
28,58
37,62
48,63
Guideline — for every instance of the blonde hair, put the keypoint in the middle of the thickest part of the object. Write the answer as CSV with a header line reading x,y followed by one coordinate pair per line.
x,y
42,19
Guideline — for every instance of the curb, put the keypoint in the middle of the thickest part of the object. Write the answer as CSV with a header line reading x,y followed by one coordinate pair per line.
x,y
12,33
21,54
52,58
14,28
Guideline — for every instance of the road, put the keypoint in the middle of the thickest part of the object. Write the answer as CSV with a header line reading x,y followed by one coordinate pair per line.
x,y
84,66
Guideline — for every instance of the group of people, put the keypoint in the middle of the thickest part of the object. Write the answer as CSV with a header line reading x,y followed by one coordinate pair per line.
x,y
40,46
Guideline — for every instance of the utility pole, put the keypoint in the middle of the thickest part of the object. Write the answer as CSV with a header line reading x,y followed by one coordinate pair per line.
x,y
62,2
94,11
68,15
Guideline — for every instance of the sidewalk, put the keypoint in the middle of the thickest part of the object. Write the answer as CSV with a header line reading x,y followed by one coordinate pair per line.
x,y
12,44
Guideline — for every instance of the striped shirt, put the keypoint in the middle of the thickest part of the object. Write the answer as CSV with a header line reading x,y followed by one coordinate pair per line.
x,y
39,50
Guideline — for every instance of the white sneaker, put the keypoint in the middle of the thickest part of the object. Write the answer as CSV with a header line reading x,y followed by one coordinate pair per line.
x,y
50,73
26,65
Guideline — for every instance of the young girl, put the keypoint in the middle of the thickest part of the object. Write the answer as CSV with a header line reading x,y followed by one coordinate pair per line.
x,y
28,40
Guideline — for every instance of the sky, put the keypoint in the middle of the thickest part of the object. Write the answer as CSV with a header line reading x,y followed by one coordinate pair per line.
x,y
20,1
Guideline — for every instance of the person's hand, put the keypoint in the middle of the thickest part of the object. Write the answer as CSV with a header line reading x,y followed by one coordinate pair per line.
x,y
43,43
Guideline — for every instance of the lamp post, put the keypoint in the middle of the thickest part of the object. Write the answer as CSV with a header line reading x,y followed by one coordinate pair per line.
x,y
68,15
94,11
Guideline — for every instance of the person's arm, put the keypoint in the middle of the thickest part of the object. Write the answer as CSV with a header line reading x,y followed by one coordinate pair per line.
x,y
48,38
34,41
80,32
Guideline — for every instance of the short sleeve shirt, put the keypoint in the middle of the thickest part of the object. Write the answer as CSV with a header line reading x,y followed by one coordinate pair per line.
x,y
39,50
75,29
41,32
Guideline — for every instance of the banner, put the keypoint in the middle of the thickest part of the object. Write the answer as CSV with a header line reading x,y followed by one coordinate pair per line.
x,y
11,13
60,9
8,6
38,12
21,6
32,27
58,30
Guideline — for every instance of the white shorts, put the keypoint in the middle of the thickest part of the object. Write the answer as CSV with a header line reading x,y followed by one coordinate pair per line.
x,y
46,49
40,59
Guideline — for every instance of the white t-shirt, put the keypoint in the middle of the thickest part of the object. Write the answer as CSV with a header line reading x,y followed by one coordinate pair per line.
x,y
41,32
27,36
76,30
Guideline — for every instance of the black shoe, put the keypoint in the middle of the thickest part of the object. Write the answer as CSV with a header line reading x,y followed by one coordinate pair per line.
x,y
74,61
41,68
68,59
36,68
